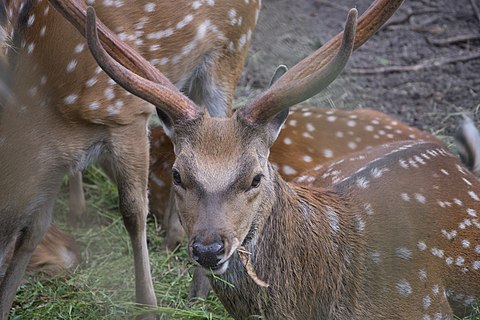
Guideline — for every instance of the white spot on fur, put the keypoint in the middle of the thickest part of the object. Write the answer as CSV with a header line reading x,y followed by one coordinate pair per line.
x,y
471,212
149,7
109,94
94,105
422,274
359,224
403,253
71,99
368,209
30,48
91,82
427,301
333,220
421,246
404,288
79,48
196,5
437,252
31,20
289,170
307,159
375,256
405,197
331,118
71,65
473,195
327,153
420,198
362,182
459,261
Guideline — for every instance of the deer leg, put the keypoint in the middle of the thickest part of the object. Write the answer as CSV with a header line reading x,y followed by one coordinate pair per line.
x,y
131,173
26,242
175,232
200,286
76,200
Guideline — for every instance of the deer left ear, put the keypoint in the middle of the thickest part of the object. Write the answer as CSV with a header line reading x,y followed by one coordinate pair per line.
x,y
277,122
275,125
166,122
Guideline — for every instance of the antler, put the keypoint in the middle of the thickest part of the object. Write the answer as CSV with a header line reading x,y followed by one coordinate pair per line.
x,y
369,22
174,104
280,96
316,71
75,13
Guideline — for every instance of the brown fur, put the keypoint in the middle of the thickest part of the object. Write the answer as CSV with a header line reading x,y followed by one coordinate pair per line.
x,y
56,253
51,260
321,264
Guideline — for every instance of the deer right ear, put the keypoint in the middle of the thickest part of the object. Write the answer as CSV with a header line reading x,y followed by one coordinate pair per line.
x,y
275,125
277,74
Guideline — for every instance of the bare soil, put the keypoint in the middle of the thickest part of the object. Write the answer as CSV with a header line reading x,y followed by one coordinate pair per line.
x,y
422,32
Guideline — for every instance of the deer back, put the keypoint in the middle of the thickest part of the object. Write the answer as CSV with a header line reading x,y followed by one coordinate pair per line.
x,y
423,232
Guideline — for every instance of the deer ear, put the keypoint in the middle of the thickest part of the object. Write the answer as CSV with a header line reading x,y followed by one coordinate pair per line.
x,y
277,74
166,123
275,125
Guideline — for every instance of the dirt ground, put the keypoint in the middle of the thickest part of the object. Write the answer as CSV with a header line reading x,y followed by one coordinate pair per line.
x,y
421,32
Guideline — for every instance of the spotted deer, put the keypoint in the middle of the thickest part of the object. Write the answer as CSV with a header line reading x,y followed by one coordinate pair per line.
x,y
75,113
315,134
377,241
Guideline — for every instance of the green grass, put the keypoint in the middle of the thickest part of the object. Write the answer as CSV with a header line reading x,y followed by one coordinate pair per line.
x,y
102,287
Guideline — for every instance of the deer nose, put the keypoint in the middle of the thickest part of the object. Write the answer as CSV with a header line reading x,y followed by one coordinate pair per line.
x,y
208,255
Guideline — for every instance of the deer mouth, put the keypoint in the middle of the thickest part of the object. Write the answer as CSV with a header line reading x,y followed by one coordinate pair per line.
x,y
218,265
218,269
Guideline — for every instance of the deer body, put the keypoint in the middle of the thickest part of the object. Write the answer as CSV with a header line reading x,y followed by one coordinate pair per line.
x,y
357,249
75,114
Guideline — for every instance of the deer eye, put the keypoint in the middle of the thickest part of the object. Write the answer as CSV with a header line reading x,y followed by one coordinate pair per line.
x,y
256,181
177,179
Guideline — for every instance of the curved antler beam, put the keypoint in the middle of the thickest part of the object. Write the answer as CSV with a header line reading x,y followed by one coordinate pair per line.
x,y
177,106
369,22
280,96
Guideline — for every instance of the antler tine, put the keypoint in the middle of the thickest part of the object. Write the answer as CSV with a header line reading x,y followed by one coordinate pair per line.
x,y
75,12
177,106
280,97
368,23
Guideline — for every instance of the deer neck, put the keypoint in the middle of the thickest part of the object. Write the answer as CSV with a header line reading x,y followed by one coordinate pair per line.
x,y
286,255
